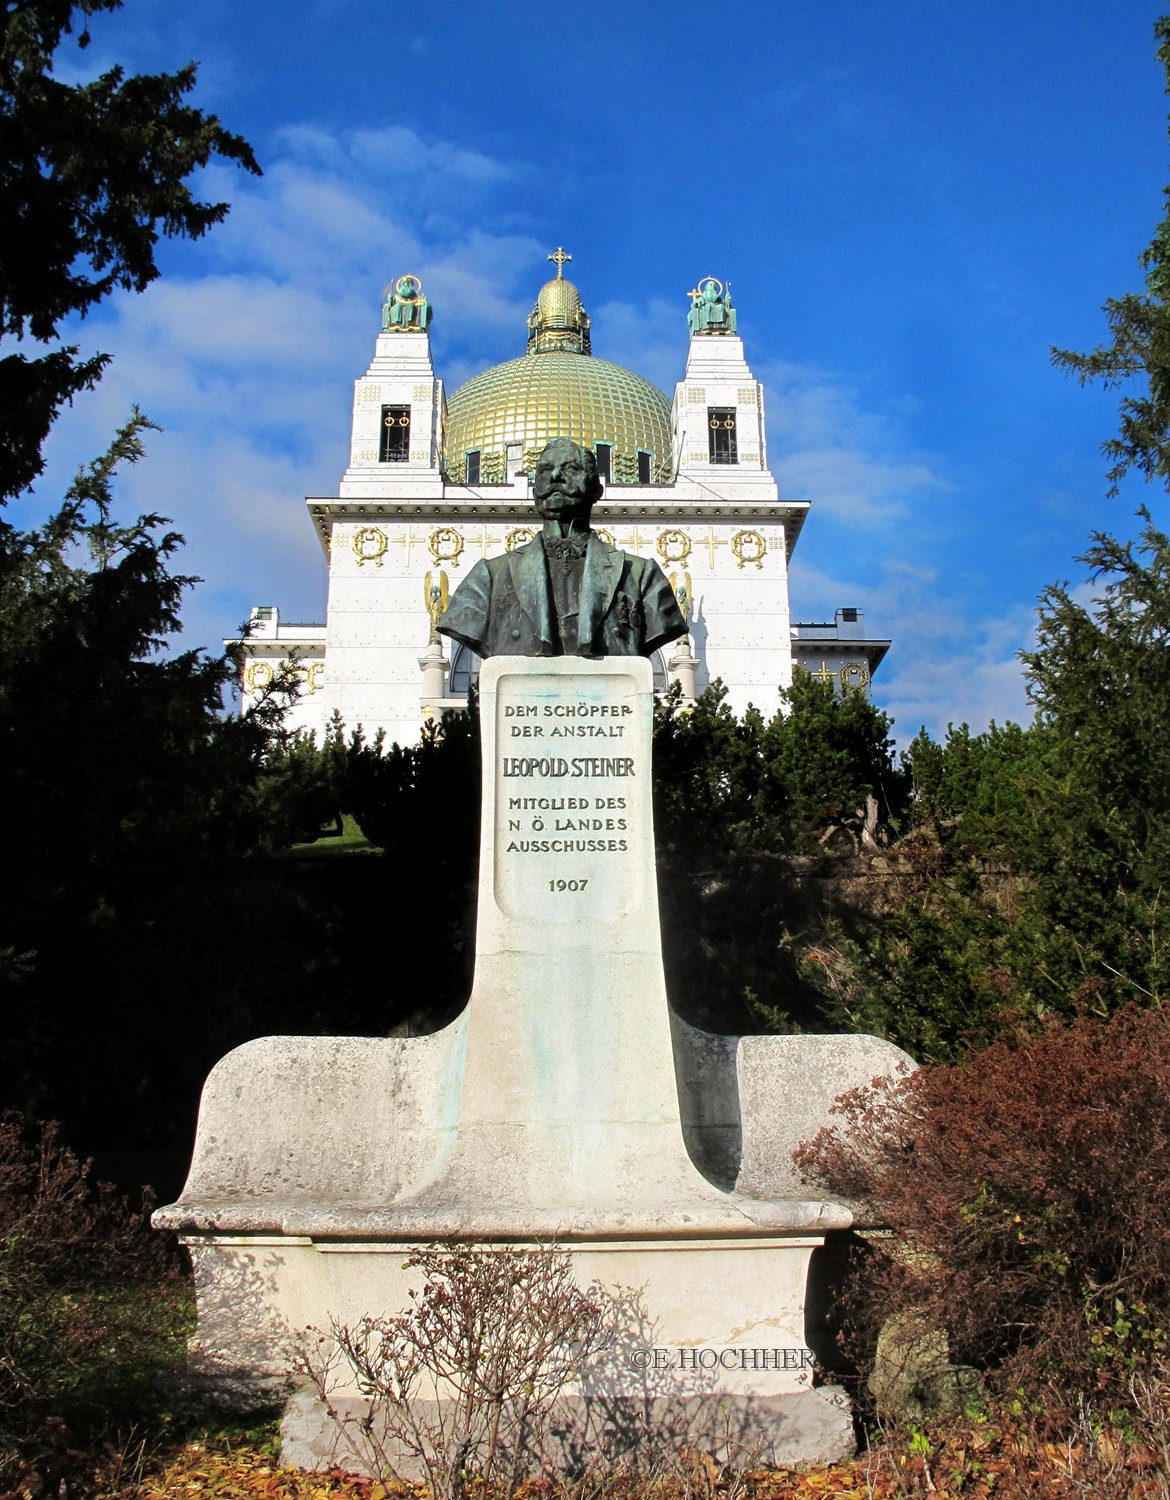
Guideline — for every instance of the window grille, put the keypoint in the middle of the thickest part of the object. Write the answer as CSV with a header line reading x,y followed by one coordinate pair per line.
x,y
395,447
721,444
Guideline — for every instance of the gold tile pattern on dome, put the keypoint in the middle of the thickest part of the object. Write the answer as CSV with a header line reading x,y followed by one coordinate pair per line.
x,y
538,397
560,302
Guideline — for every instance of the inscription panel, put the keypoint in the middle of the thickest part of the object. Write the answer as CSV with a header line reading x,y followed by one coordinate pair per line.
x,y
572,789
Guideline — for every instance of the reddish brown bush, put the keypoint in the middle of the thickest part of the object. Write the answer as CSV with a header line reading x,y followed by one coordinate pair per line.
x,y
1027,1191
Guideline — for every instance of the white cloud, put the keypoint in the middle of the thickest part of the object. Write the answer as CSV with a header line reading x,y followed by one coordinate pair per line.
x,y
958,670
949,663
827,447
881,536
403,152
650,339
852,486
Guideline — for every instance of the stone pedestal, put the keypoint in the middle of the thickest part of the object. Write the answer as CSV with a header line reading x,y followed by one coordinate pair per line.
x,y
433,666
561,1105
569,1117
682,667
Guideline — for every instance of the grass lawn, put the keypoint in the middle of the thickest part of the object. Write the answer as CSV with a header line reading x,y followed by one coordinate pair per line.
x,y
351,841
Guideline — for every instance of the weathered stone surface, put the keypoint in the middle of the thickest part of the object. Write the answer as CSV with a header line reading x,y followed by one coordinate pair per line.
x,y
290,1121
298,1133
913,1379
811,1427
747,1102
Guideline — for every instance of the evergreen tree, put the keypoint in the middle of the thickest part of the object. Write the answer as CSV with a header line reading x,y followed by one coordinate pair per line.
x,y
1099,848
90,175
1139,351
742,806
128,795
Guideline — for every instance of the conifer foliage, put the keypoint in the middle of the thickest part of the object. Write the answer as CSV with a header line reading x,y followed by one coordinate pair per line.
x,y
124,788
128,797
1139,351
90,175
1033,881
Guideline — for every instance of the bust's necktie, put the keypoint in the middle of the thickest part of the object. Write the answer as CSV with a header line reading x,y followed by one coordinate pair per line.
x,y
566,566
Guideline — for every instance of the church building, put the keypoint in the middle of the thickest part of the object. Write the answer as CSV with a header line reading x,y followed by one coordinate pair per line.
x,y
436,482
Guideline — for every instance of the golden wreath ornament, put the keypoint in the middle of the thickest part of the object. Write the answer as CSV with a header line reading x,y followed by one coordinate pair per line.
x,y
674,546
446,545
606,536
313,672
749,547
369,545
518,538
257,676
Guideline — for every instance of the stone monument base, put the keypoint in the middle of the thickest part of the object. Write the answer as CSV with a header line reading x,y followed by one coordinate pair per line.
x,y
305,1144
706,1339
565,1106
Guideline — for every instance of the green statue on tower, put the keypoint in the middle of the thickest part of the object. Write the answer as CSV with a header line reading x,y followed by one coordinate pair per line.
x,y
711,310
405,309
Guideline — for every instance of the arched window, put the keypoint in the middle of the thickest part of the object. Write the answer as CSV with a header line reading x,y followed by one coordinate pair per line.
x,y
465,665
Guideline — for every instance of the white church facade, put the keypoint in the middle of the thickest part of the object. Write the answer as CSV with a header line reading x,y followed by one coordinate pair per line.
x,y
436,482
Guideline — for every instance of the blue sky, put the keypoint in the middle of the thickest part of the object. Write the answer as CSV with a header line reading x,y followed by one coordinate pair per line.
x,y
912,202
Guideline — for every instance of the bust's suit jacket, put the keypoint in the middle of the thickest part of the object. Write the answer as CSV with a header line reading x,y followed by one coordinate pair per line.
x,y
504,606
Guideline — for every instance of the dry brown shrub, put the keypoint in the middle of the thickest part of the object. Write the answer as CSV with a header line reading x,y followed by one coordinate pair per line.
x,y
75,1326
1027,1194
459,1386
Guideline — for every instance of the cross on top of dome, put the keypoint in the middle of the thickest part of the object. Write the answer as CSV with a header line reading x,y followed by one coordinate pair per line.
x,y
560,257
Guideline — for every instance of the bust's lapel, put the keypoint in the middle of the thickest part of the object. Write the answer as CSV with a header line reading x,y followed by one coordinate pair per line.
x,y
530,580
603,572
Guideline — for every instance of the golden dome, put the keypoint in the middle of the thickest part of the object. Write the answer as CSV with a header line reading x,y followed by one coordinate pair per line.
x,y
557,390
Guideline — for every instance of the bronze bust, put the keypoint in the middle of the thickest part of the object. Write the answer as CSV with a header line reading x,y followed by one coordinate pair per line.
x,y
567,593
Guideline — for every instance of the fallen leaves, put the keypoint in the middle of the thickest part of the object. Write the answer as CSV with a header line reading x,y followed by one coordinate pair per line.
x,y
971,1465
243,1473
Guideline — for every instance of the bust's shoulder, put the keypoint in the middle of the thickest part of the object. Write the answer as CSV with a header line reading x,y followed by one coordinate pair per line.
x,y
496,567
641,568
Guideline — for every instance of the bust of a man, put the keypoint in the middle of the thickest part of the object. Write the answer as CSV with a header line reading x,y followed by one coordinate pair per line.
x,y
567,593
